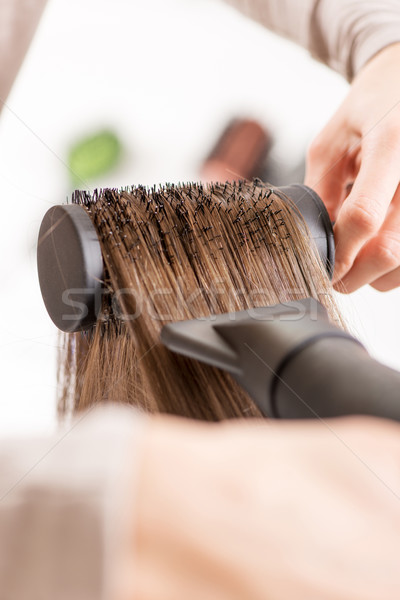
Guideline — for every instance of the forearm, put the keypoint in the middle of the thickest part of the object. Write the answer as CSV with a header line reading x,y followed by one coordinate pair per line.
x,y
18,22
268,509
344,34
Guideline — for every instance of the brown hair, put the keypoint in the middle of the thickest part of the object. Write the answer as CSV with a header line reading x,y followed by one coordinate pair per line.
x,y
180,252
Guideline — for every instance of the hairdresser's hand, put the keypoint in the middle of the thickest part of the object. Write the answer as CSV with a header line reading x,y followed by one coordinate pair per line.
x,y
260,510
361,145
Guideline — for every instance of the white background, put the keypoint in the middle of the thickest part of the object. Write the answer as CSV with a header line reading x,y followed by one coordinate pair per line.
x,y
167,75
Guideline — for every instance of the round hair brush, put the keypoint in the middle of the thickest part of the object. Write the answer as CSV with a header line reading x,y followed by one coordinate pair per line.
x,y
71,268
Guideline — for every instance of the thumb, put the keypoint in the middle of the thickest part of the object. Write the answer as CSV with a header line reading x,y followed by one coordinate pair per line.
x,y
366,207
328,169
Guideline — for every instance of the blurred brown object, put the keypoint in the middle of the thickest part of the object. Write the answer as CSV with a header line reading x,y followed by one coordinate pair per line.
x,y
240,153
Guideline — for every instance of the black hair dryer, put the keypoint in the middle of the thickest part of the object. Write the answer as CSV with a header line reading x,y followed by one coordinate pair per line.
x,y
292,361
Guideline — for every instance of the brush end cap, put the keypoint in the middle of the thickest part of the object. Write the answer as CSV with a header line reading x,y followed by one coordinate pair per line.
x,y
317,218
70,267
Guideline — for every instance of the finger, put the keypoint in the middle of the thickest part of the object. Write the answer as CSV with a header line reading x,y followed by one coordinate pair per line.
x,y
329,169
365,209
380,255
388,282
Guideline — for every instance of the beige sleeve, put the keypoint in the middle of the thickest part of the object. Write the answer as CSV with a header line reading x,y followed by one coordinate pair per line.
x,y
65,501
18,21
344,34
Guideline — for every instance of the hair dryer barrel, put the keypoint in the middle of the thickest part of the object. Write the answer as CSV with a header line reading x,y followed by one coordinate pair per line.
x,y
333,377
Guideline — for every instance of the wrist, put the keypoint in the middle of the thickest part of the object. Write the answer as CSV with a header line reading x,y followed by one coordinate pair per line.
x,y
386,54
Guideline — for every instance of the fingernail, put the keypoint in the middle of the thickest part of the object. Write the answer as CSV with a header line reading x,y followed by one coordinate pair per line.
x,y
339,287
337,276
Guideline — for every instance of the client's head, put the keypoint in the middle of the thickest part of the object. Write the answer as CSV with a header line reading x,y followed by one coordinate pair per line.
x,y
181,252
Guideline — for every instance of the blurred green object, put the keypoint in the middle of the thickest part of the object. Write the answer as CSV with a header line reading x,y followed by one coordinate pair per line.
x,y
93,156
